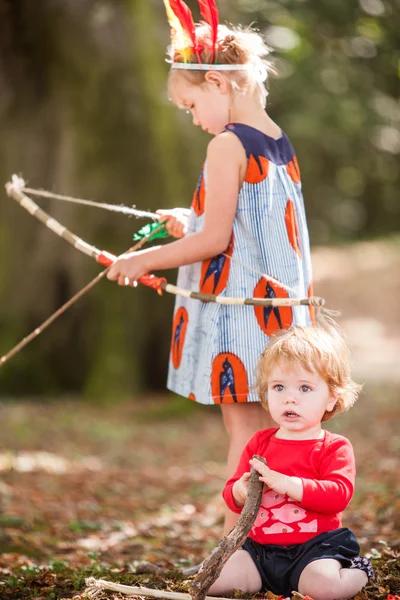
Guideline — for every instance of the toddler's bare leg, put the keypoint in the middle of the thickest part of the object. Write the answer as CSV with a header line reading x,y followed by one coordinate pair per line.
x,y
241,422
239,573
325,579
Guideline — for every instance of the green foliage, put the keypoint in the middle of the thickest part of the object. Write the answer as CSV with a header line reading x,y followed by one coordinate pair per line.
x,y
337,98
11,521
83,526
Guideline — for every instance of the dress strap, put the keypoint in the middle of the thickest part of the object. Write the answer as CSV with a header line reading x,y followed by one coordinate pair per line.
x,y
255,142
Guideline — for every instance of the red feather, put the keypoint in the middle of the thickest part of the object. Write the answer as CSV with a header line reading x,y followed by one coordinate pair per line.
x,y
184,14
209,11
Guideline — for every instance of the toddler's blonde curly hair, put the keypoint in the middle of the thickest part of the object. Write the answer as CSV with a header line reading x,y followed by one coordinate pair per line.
x,y
321,349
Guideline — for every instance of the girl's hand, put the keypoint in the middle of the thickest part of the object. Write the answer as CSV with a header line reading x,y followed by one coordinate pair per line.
x,y
176,221
274,480
128,268
240,488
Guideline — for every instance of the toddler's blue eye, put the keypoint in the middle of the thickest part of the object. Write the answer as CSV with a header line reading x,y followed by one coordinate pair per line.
x,y
278,388
305,388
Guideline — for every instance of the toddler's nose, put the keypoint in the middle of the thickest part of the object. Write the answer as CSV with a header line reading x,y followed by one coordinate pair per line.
x,y
290,399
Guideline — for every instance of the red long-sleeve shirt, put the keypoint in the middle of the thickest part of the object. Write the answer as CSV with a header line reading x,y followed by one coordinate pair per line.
x,y
327,469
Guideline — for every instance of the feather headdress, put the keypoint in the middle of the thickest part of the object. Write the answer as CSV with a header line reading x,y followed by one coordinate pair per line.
x,y
209,11
183,27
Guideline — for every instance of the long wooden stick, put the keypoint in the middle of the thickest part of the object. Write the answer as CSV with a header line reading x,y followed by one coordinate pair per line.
x,y
213,565
34,334
94,588
38,330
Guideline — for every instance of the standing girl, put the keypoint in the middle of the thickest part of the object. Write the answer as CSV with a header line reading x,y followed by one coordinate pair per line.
x,y
246,233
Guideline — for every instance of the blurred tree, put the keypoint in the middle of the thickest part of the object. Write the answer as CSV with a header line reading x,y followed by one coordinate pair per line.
x,y
338,99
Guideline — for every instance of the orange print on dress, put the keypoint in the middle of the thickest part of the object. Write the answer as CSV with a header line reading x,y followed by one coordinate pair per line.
x,y
215,272
293,170
311,309
228,379
179,327
257,169
292,228
199,196
192,397
272,318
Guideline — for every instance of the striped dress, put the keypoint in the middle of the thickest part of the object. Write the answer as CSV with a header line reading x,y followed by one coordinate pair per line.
x,y
215,348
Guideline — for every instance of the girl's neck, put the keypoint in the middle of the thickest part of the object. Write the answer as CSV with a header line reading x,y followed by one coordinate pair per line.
x,y
250,112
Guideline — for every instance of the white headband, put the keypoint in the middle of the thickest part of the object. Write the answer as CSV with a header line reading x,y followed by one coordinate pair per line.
x,y
208,67
257,67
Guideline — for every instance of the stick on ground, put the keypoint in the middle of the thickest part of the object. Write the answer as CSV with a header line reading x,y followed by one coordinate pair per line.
x,y
212,566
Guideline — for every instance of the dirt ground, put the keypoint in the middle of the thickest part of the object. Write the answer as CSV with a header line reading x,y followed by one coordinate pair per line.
x,y
88,490
91,489
362,281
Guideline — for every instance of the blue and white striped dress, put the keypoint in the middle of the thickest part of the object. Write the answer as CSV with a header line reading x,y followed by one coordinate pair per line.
x,y
215,348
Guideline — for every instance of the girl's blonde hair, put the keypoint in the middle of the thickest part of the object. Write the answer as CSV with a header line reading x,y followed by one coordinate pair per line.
x,y
320,349
235,45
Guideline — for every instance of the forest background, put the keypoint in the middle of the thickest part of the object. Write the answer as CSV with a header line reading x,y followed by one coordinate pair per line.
x,y
84,111
99,466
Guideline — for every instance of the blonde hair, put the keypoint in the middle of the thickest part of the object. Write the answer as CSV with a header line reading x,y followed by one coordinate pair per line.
x,y
235,45
322,349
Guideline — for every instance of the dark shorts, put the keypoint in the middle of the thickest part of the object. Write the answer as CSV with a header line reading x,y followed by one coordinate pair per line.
x,y
280,567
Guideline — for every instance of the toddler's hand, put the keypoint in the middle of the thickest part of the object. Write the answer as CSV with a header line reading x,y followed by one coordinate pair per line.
x,y
240,488
176,221
128,268
274,480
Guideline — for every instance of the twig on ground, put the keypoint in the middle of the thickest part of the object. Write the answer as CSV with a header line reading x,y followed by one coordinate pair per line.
x,y
210,568
94,588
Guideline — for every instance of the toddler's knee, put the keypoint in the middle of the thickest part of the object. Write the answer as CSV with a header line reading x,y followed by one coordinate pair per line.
x,y
332,586
320,588
239,573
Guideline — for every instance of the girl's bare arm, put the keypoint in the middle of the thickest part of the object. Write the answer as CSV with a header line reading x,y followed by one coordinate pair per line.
x,y
226,161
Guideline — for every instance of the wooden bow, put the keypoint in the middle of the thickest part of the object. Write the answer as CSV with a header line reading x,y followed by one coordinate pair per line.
x,y
160,284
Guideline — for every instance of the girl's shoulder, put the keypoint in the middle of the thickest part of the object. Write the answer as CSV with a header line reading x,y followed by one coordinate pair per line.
x,y
223,144
225,153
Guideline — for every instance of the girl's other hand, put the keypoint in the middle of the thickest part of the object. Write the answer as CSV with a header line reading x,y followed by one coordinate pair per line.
x,y
240,489
176,220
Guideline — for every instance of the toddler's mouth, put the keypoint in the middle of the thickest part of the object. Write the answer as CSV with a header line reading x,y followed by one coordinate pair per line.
x,y
290,414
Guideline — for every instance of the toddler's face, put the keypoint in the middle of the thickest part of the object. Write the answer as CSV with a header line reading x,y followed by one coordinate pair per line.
x,y
208,106
297,398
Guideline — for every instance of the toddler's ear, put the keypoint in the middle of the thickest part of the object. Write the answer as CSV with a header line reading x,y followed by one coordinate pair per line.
x,y
334,400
